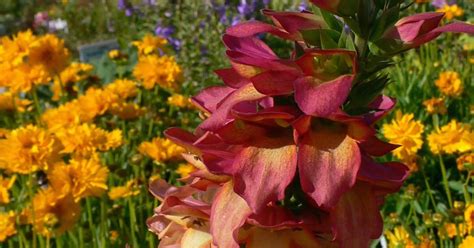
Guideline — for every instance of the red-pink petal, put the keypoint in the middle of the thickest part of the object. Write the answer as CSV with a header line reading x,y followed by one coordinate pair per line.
x,y
389,176
229,212
231,78
220,117
274,83
264,169
318,98
356,218
208,98
328,162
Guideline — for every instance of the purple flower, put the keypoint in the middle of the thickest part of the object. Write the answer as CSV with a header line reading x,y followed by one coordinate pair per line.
x,y
167,33
441,3
303,6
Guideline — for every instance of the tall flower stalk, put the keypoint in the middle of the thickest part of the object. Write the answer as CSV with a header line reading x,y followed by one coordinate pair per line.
x,y
286,154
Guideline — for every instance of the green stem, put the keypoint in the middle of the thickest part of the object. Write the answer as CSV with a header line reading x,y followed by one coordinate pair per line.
x,y
89,219
428,187
38,108
445,181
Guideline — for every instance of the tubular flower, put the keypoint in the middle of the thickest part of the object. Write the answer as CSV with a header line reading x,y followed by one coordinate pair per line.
x,y
449,83
84,140
451,11
52,213
282,141
406,132
451,138
74,73
435,106
81,178
7,225
129,189
161,150
28,149
150,44
49,52
154,70
5,185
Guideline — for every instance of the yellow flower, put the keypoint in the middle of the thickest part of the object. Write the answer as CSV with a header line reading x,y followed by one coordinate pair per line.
x,y
15,50
97,101
129,189
113,235
451,138
469,216
49,52
399,237
4,132
74,73
66,115
435,106
81,178
10,102
185,169
28,149
52,213
179,101
164,71
85,139
451,11
450,231
406,132
123,88
7,225
5,185
150,44
114,54
161,150
468,242
24,77
127,111
467,158
449,83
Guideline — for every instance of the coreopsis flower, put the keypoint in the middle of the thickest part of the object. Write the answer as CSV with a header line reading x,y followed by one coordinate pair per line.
x,y
451,138
450,84
4,132
185,169
179,101
161,150
155,70
28,149
467,242
5,185
81,178
451,11
96,102
7,225
123,88
464,159
150,44
10,102
74,73
114,54
49,51
52,213
469,216
24,77
127,111
451,230
86,139
435,106
128,190
405,131
66,115
399,237
15,50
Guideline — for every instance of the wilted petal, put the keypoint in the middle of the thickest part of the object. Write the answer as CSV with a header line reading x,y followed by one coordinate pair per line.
x,y
318,98
328,162
356,218
229,212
